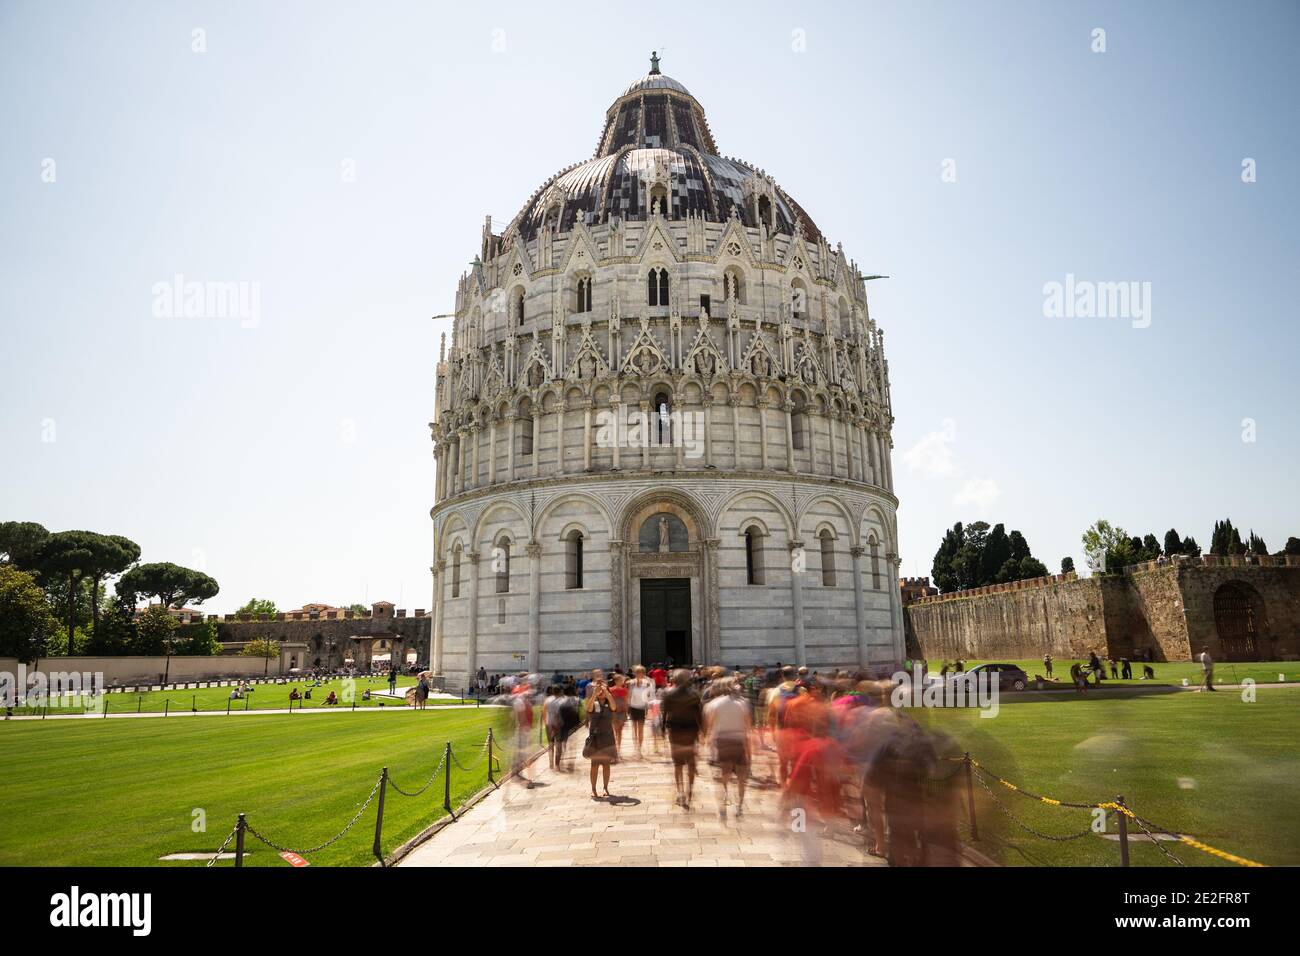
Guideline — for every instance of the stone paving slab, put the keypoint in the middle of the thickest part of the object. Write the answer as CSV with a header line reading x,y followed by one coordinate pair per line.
x,y
557,823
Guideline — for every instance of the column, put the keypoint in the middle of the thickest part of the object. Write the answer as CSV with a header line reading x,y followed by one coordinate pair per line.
x,y
620,428
762,429
537,440
796,598
734,402
864,651
788,408
492,453
708,431
835,465
510,446
473,476
712,590
646,427
897,649
616,600
455,475
559,435
471,637
435,656
534,606
586,435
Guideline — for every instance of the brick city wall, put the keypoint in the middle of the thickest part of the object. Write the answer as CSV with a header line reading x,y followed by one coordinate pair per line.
x,y
1166,609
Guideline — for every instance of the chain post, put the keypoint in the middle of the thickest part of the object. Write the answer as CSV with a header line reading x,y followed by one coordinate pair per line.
x,y
1123,831
970,796
379,817
446,783
489,757
240,826
167,706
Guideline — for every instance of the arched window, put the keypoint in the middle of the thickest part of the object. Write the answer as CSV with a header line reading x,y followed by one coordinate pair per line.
x,y
753,556
875,563
828,559
765,212
455,572
799,424
517,307
584,294
501,564
573,560
663,424
657,286
524,423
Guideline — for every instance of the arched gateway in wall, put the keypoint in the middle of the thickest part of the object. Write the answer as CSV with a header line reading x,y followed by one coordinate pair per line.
x,y
662,428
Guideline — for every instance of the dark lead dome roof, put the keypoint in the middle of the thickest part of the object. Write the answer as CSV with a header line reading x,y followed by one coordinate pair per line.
x,y
655,120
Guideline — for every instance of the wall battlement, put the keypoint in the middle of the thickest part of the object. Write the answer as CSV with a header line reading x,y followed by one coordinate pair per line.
x,y
1164,610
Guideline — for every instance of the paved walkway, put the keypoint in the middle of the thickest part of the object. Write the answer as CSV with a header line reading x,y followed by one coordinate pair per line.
x,y
558,823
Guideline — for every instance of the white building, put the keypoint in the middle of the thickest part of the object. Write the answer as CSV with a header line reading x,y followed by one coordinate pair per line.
x,y
662,428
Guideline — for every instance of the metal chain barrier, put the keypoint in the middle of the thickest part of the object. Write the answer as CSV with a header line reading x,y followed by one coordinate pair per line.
x,y
428,783
222,849
1147,827
334,839
1024,826
481,752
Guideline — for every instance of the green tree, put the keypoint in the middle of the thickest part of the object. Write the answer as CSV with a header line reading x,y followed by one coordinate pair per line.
x,y
1019,546
155,631
115,634
199,639
66,556
262,647
1150,548
110,554
996,553
21,543
1031,567
171,584
358,609
26,624
942,572
1112,544
1190,547
1257,545
1067,565
257,606
1173,543
1292,546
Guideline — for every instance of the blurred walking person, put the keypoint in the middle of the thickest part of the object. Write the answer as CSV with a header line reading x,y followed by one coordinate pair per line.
x,y
683,716
641,693
727,724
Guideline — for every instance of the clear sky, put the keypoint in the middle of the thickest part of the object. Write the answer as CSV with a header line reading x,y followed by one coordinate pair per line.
x,y
339,158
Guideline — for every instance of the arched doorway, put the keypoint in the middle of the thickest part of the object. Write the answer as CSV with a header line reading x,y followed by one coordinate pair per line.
x,y
1240,622
664,598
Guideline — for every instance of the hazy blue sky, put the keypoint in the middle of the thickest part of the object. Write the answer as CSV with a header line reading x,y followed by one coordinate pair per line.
x,y
290,457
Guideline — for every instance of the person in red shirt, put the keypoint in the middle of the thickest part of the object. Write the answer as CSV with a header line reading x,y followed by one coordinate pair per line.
x,y
813,789
659,676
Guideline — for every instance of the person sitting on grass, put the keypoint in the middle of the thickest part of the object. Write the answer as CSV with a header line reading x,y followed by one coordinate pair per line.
x,y
307,694
365,694
332,699
294,695
1148,672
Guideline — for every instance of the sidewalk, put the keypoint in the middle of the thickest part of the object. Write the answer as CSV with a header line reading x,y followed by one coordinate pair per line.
x,y
558,823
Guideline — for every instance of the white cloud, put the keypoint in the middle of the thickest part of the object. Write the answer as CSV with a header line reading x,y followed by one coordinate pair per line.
x,y
981,492
932,455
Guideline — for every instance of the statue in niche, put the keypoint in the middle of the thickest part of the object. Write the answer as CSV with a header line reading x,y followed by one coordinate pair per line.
x,y
663,535
587,367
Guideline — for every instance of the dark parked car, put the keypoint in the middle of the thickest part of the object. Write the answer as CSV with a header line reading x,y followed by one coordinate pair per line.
x,y
1010,677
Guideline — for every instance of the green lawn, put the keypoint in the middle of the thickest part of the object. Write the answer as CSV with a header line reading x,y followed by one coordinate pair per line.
x,y
1211,766
1262,672
124,792
263,697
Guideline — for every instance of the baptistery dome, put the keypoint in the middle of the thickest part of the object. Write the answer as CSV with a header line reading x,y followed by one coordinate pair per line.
x,y
662,424
657,124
